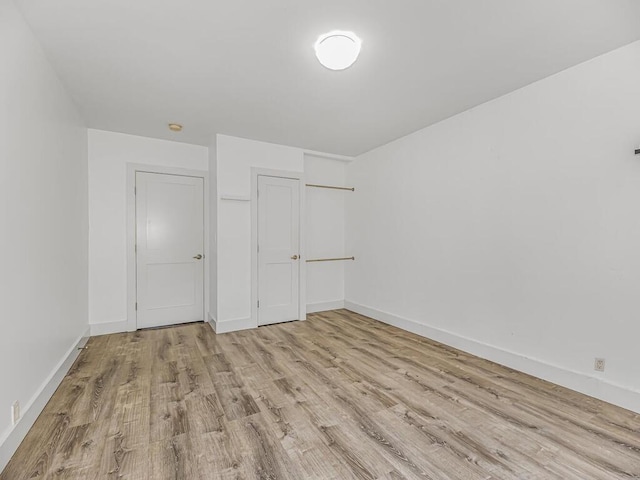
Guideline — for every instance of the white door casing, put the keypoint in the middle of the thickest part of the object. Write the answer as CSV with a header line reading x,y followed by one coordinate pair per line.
x,y
278,249
169,240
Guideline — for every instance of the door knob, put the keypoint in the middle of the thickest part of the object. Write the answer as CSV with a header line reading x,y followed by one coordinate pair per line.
x,y
295,257
198,257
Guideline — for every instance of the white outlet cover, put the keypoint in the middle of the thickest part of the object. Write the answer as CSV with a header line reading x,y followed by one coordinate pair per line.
x,y
599,365
15,412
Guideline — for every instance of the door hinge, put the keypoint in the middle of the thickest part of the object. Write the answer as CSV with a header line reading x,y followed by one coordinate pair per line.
x,y
136,305
135,248
135,190
258,303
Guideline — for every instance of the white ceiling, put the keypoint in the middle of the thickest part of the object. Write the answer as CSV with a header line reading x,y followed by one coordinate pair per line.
x,y
247,67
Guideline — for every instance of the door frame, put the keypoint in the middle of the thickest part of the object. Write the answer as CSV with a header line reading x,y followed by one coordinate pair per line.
x,y
302,286
132,295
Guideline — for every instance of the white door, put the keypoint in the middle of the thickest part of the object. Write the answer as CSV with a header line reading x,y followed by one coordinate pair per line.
x,y
278,249
169,249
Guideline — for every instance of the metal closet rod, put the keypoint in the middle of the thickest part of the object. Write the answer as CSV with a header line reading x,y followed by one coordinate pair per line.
x,y
352,189
330,259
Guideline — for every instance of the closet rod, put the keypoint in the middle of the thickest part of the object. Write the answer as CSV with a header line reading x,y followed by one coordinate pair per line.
x,y
331,187
330,259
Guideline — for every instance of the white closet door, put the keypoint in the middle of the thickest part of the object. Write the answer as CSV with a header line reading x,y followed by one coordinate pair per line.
x,y
278,249
169,249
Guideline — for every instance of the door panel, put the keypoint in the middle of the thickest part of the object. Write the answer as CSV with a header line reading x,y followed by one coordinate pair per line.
x,y
171,285
278,290
278,212
169,234
278,249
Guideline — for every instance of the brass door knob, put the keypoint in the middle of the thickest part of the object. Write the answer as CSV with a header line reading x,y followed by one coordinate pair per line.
x,y
198,257
294,257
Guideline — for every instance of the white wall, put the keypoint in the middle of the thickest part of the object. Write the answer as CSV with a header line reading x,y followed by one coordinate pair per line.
x,y
213,229
235,158
109,154
513,230
324,221
43,222
229,161
325,212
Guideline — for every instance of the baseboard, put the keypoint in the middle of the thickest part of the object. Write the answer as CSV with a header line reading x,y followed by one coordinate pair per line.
x,y
324,306
12,437
108,328
233,325
589,385
211,321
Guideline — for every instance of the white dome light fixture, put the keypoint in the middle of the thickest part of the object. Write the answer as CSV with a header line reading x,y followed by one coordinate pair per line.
x,y
338,49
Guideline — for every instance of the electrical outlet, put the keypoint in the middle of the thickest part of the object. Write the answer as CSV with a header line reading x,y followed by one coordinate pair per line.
x,y
15,412
598,365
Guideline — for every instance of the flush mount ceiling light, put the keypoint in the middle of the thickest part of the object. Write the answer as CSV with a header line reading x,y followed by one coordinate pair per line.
x,y
174,127
338,49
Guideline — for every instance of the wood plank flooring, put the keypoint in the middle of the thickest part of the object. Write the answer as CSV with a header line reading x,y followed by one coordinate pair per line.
x,y
339,396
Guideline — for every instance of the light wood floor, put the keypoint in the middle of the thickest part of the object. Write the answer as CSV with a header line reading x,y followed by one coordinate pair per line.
x,y
340,396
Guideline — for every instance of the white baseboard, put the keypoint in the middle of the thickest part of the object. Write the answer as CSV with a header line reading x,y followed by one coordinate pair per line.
x,y
12,437
620,395
233,325
324,306
108,328
246,323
